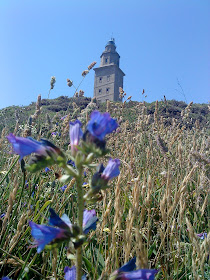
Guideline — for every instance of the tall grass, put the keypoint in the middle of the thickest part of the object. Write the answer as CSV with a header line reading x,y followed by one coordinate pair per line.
x,y
154,210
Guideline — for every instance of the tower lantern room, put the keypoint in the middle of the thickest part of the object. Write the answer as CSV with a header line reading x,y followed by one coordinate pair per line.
x,y
108,77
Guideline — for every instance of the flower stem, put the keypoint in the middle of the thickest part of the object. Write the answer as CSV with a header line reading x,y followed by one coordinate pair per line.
x,y
80,204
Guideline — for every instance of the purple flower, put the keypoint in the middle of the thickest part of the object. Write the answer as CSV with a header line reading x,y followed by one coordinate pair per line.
x,y
47,169
25,146
102,176
62,230
70,273
75,134
62,222
2,215
44,235
127,272
6,278
71,162
101,124
111,170
54,133
89,220
129,266
63,188
202,235
140,274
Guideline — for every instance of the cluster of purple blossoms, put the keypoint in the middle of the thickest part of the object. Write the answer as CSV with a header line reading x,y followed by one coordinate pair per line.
x,y
127,272
60,229
97,128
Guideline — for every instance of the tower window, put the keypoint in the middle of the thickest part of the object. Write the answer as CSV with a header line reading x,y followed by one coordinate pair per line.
x,y
106,60
100,80
100,90
108,78
107,90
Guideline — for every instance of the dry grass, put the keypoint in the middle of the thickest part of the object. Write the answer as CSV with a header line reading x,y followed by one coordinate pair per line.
x,y
153,210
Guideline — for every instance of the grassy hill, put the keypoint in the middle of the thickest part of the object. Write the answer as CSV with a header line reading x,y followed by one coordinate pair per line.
x,y
156,209
64,105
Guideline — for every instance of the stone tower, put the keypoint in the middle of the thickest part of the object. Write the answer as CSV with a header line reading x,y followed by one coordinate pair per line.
x,y
108,77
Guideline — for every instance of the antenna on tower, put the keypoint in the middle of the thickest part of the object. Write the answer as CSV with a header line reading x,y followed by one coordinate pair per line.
x,y
112,38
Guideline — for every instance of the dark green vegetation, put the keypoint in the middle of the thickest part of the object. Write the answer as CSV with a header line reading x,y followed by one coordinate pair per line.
x,y
64,105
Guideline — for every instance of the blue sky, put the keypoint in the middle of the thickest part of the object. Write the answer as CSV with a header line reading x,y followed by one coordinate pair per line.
x,y
164,47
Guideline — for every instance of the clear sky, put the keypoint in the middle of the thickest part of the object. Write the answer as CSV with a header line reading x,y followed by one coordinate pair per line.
x,y
164,47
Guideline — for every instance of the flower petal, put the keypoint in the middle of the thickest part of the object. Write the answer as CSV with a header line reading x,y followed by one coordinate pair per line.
x,y
44,235
25,146
101,124
56,221
89,220
129,266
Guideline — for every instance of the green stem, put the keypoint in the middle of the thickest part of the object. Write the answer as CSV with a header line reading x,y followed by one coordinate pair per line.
x,y
80,204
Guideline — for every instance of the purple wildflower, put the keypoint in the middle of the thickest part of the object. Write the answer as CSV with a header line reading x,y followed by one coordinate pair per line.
x,y
111,170
54,133
101,124
63,188
202,235
127,272
140,274
47,169
89,220
75,134
2,215
71,162
44,235
62,230
70,273
62,222
25,146
129,266
6,278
